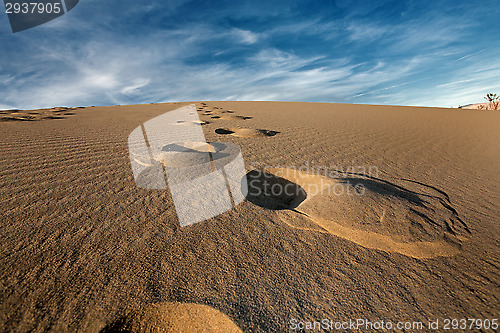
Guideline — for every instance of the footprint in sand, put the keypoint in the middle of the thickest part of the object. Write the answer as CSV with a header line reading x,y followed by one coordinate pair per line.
x,y
230,117
219,113
174,317
246,132
419,222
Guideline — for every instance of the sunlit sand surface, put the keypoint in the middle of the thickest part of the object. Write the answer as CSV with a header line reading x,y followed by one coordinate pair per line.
x,y
409,231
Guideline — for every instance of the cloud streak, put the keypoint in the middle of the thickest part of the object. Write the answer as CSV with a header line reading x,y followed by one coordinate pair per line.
x,y
154,54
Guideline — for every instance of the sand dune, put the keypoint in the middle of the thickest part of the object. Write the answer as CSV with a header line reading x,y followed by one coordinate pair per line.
x,y
412,236
475,106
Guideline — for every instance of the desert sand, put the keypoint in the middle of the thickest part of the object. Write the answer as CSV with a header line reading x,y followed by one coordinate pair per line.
x,y
393,216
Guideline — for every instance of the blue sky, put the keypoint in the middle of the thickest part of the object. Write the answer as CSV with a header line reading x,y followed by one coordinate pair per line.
x,y
399,52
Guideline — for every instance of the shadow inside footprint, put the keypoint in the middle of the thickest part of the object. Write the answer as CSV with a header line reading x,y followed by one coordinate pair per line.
x,y
269,191
223,131
268,133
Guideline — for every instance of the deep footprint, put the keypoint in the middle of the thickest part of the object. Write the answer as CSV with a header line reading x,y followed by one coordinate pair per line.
x,y
272,192
223,131
371,212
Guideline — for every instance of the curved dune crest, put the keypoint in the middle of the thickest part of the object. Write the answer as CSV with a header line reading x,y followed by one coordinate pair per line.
x,y
174,317
377,214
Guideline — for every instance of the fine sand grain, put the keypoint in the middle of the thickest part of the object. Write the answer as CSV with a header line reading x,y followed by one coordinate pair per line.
x,y
393,215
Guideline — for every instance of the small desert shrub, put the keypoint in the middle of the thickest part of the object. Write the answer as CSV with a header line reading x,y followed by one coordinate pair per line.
x,y
493,102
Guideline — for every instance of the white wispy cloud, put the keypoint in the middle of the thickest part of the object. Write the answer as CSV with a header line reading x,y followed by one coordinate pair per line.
x,y
456,82
137,84
125,73
405,65
366,32
245,36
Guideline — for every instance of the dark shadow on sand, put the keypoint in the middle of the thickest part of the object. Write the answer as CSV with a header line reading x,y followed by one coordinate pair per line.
x,y
385,189
272,192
